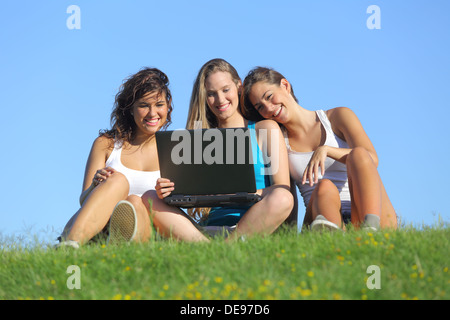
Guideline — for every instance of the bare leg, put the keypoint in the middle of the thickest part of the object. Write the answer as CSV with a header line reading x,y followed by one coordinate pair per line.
x,y
97,209
268,214
367,190
170,221
325,201
144,230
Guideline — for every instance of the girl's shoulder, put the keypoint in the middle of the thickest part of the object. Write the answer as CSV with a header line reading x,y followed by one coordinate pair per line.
x,y
103,143
267,124
343,119
338,114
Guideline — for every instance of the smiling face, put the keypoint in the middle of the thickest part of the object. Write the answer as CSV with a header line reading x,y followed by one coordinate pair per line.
x,y
150,112
271,100
222,95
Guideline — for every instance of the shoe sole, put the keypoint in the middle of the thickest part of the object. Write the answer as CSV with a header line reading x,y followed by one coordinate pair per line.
x,y
322,225
122,225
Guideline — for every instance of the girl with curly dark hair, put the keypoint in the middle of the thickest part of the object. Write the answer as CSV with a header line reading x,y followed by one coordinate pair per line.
x,y
123,164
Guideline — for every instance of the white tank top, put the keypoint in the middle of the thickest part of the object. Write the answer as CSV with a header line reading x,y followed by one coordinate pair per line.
x,y
140,181
334,170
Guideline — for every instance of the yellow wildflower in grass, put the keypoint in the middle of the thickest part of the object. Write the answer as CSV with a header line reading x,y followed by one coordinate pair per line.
x,y
310,274
305,292
262,289
229,287
218,279
337,296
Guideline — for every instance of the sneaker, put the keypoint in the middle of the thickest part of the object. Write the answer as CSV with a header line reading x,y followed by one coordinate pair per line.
x,y
123,223
369,229
68,244
322,224
371,223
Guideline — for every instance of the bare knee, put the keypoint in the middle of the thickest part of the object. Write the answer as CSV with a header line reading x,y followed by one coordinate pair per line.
x,y
118,181
326,187
152,202
359,156
280,203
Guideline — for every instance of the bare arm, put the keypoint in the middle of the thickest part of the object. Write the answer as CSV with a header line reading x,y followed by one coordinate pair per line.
x,y
274,148
347,126
96,162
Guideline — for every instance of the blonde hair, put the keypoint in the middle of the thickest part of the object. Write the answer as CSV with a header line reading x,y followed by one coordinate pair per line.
x,y
199,111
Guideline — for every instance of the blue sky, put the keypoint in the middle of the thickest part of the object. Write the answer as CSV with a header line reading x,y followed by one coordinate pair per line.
x,y
58,85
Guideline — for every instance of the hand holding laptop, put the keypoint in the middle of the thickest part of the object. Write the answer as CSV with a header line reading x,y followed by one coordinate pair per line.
x,y
164,187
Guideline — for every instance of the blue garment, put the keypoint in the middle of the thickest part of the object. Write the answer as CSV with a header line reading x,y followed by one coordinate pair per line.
x,y
230,216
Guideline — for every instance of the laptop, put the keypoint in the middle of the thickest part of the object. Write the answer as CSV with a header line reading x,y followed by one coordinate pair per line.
x,y
209,167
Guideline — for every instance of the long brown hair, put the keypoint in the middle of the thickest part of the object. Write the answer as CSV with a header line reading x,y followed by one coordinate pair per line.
x,y
255,75
133,88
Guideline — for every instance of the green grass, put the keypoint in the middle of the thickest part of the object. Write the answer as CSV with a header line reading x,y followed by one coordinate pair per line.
x,y
413,265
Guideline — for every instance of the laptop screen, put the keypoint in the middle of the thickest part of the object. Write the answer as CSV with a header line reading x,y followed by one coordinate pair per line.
x,y
207,161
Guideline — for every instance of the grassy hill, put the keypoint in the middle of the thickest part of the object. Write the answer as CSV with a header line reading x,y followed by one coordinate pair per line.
x,y
403,264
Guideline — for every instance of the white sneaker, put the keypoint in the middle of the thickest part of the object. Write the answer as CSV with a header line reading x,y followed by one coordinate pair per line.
x,y
68,243
369,229
123,223
322,224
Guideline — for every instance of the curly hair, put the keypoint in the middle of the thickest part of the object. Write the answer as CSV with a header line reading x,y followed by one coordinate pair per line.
x,y
132,89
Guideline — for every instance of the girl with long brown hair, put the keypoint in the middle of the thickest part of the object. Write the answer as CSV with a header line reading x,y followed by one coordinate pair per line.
x,y
123,164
